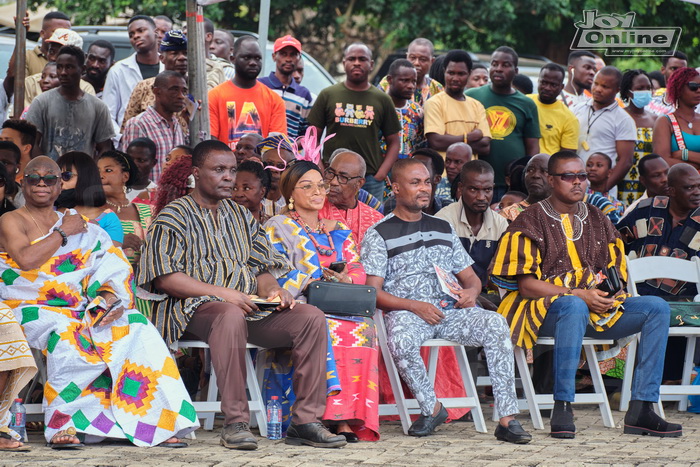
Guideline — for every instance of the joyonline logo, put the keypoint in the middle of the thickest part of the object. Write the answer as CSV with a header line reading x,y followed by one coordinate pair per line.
x,y
617,35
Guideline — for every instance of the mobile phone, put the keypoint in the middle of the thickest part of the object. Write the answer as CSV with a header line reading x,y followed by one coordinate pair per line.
x,y
107,311
337,266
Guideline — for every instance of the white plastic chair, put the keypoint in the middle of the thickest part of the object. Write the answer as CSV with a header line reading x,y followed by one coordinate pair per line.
x,y
665,267
535,402
208,408
403,406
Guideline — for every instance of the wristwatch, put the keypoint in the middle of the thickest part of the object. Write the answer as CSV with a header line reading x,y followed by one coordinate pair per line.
x,y
64,242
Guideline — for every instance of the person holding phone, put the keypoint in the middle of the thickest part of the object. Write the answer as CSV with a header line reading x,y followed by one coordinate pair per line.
x,y
324,249
559,251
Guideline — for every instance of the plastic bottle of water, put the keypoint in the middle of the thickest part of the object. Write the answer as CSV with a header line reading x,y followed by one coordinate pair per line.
x,y
274,419
19,418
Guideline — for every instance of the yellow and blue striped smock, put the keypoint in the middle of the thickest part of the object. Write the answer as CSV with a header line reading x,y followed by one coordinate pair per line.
x,y
536,243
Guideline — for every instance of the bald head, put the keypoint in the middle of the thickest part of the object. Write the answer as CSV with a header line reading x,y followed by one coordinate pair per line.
x,y
44,164
538,159
40,192
456,156
679,174
351,158
459,149
683,189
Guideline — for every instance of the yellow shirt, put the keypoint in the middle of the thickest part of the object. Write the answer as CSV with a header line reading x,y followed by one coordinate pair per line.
x,y
445,115
558,125
35,61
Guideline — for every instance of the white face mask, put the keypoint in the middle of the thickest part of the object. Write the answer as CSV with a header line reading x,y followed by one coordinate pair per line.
x,y
641,99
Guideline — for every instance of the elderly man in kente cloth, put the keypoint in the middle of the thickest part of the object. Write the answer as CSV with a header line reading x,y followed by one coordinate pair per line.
x,y
553,259
108,379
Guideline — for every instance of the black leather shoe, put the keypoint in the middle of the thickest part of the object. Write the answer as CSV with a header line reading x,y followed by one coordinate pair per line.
x,y
562,421
642,420
513,434
426,424
313,434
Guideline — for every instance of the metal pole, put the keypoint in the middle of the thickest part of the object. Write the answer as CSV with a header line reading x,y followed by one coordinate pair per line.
x,y
20,57
263,27
196,68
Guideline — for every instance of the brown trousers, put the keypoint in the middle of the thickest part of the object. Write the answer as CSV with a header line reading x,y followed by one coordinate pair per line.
x,y
223,326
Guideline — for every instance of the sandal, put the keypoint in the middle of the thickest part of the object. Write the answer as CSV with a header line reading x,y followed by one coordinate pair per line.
x,y
68,432
176,444
22,448
35,426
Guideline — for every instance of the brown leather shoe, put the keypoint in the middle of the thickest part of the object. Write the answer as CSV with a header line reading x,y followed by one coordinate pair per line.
x,y
313,434
238,436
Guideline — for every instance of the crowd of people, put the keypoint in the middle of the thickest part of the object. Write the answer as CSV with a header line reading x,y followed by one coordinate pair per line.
x,y
119,237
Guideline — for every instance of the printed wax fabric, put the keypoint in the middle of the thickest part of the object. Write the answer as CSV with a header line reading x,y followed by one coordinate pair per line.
x,y
352,370
113,381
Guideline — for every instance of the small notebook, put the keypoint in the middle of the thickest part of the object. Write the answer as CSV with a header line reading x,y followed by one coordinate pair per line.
x,y
448,282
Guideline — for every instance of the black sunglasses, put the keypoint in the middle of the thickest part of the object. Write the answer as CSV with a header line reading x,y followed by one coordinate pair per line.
x,y
67,176
570,177
3,182
694,86
34,179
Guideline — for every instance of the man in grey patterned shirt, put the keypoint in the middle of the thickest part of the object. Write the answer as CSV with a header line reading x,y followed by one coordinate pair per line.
x,y
399,254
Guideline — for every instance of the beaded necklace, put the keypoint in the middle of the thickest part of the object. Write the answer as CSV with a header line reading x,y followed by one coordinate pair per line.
x,y
571,232
321,229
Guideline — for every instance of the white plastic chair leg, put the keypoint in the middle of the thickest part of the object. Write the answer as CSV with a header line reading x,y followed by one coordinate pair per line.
x,y
599,386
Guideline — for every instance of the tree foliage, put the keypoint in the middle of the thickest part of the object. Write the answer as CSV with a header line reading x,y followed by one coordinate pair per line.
x,y
541,27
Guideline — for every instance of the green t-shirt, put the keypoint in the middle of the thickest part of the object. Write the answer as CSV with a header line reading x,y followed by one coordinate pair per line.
x,y
358,119
512,118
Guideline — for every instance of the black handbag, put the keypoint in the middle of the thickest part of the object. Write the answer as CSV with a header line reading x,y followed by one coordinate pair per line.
x,y
338,298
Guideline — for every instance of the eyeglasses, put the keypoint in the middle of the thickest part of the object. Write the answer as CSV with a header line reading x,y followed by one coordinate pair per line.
x,y
330,174
3,182
693,86
34,179
570,177
323,187
68,176
279,165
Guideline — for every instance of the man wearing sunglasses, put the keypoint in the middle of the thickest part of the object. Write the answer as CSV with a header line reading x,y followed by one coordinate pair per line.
x,y
110,374
346,175
559,252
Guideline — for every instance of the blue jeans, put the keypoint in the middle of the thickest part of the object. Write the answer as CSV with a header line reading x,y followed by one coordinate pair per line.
x,y
567,320
374,187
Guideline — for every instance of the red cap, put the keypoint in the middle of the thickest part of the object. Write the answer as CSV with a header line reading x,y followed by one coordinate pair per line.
x,y
286,41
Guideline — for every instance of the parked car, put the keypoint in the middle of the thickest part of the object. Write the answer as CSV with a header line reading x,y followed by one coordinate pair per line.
x,y
7,46
315,76
116,35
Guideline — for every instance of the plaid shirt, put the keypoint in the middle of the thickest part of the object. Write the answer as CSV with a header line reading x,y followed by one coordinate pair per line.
x,y
166,135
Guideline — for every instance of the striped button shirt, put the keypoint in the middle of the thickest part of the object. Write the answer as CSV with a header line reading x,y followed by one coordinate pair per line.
x,y
229,252
297,103
166,134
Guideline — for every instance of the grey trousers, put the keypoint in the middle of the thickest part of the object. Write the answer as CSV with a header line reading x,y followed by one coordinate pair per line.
x,y
472,327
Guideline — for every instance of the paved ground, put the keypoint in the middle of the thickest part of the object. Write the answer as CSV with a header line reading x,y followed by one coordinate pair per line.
x,y
455,444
